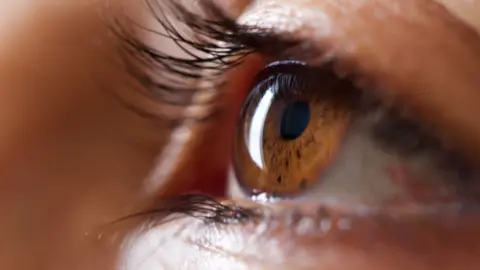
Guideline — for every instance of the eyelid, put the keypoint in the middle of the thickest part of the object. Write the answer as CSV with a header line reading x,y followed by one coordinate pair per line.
x,y
435,72
309,241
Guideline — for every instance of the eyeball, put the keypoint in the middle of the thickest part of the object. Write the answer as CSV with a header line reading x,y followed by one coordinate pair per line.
x,y
290,129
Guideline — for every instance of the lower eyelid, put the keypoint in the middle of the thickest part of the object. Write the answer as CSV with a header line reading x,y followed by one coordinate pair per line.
x,y
304,239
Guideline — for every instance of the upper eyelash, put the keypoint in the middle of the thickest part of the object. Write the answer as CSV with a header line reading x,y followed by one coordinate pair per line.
x,y
217,44
161,75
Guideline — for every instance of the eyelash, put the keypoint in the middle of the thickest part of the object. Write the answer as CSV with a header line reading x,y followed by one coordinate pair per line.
x,y
223,43
203,207
162,76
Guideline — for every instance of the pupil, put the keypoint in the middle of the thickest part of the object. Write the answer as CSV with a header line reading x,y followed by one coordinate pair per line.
x,y
295,120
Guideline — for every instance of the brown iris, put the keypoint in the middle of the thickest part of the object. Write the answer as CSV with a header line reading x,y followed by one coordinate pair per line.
x,y
290,128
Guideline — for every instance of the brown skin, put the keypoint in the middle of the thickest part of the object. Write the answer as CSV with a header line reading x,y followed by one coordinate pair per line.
x,y
73,158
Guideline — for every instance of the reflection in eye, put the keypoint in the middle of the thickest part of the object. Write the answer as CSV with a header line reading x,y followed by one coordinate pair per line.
x,y
294,124
305,132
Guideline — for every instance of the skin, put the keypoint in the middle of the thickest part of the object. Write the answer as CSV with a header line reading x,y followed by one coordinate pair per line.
x,y
74,158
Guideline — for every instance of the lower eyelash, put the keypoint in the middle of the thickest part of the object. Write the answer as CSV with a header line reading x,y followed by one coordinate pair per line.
x,y
263,219
203,207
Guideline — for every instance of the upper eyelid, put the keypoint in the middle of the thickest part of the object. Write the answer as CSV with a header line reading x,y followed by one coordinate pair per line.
x,y
425,52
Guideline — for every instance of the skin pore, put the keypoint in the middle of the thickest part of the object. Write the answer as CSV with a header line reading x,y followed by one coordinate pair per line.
x,y
74,159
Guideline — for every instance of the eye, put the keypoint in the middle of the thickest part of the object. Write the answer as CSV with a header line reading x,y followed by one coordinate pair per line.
x,y
304,133
291,127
